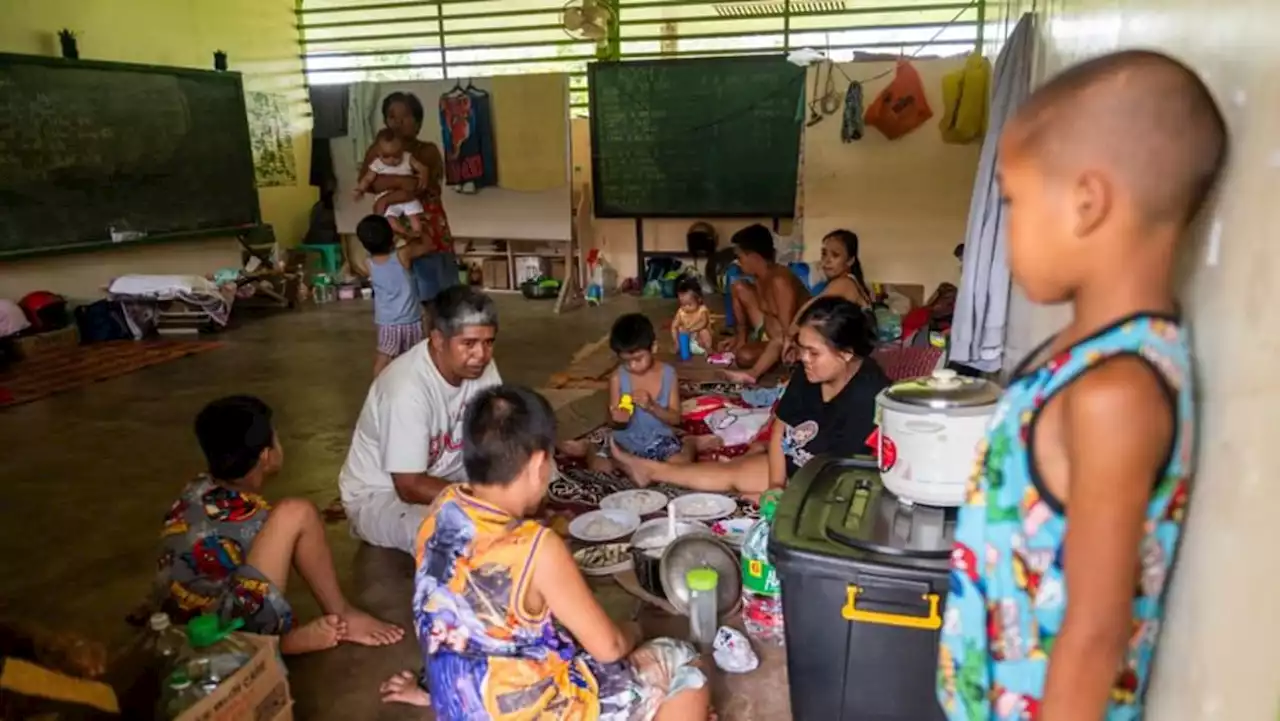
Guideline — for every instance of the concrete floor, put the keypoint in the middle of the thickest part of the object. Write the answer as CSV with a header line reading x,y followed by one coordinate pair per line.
x,y
86,476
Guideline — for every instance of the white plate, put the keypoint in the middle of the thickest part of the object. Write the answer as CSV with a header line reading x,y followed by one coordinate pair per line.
x,y
604,525
640,501
732,530
704,506
620,553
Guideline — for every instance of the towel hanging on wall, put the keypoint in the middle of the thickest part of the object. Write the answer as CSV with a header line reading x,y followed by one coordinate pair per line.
x,y
851,128
964,97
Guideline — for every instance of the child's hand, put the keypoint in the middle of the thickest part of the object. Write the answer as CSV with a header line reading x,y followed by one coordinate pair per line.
x,y
621,416
358,193
642,399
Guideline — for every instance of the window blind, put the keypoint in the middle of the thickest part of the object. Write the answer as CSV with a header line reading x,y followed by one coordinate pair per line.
x,y
345,41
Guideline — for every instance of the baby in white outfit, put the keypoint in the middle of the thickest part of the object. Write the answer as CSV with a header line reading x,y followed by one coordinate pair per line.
x,y
393,159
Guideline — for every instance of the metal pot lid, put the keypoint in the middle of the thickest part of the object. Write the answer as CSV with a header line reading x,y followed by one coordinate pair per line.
x,y
700,550
942,390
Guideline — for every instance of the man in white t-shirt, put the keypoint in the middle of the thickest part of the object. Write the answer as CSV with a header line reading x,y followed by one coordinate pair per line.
x,y
407,446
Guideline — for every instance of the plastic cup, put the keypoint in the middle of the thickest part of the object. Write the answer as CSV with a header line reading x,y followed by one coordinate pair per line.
x,y
686,349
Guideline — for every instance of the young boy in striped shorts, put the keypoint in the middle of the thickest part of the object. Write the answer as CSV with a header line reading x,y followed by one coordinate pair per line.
x,y
396,310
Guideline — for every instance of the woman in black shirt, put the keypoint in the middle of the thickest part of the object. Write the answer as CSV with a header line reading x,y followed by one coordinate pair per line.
x,y
828,408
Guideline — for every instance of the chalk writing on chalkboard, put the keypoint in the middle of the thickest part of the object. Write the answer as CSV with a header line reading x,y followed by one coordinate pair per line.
x,y
695,137
85,146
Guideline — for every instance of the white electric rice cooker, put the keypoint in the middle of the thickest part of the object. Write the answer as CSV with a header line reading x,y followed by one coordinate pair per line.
x,y
929,433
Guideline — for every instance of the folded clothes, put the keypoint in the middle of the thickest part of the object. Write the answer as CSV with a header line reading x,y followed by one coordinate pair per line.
x,y
762,397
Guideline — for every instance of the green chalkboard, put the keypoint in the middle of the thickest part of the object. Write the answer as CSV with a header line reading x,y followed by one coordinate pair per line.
x,y
86,146
695,137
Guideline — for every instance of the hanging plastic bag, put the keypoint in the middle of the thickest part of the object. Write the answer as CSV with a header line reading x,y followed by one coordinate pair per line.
x,y
901,107
965,101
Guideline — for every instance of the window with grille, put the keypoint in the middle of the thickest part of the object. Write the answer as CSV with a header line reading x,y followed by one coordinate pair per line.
x,y
346,41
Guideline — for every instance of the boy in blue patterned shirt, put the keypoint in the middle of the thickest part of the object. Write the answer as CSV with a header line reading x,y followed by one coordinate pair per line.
x,y
1075,507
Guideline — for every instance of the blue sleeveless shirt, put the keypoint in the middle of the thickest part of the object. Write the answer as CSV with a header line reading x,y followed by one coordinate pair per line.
x,y
1008,592
395,298
647,435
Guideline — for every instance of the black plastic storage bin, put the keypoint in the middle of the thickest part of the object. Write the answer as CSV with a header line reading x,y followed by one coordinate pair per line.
x,y
864,580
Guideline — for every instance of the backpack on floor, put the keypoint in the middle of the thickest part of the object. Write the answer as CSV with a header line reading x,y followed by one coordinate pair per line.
x,y
102,321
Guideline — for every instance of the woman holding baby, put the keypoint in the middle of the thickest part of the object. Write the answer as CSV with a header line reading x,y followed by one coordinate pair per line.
x,y
403,114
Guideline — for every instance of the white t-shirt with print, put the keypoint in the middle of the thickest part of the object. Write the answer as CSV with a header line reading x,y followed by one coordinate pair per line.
x,y
411,423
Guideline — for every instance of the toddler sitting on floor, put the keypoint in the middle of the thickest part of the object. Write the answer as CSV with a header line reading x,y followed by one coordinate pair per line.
x,y
693,317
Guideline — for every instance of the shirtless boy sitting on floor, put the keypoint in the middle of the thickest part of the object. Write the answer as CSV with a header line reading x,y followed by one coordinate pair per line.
x,y
764,307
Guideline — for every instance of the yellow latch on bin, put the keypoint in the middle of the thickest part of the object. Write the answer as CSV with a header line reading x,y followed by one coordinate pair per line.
x,y
932,622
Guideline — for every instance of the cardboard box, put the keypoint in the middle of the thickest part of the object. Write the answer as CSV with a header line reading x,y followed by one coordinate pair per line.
x,y
495,276
32,346
258,691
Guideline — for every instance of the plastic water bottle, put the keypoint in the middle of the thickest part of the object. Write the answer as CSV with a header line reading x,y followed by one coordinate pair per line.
x,y
178,696
139,671
761,591
704,617
214,654
168,640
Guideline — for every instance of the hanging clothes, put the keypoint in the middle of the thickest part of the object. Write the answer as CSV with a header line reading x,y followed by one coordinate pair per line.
x,y
982,307
330,105
364,117
466,126
851,126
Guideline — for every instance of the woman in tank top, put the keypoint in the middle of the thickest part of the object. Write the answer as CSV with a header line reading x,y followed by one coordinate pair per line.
x,y
842,271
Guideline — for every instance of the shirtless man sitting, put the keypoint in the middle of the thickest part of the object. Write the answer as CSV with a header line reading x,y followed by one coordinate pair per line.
x,y
764,308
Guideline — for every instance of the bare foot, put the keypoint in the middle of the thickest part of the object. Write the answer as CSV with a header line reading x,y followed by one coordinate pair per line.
x,y
631,465
323,633
369,631
708,442
740,377
403,688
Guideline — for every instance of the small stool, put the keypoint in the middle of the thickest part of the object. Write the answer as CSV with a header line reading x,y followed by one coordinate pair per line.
x,y
330,256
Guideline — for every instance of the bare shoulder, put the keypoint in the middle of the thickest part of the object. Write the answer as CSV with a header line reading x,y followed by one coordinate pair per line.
x,y
843,287
1126,385
1121,409
782,280
552,553
426,151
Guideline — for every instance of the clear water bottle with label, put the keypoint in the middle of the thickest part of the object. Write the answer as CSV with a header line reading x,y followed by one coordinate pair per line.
x,y
761,591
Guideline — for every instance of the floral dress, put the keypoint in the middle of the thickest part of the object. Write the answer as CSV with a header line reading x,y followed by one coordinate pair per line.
x,y
1008,593
486,658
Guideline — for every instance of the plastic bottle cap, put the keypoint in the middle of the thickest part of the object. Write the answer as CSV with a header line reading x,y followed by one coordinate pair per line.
x,y
702,579
206,630
769,503
159,621
179,680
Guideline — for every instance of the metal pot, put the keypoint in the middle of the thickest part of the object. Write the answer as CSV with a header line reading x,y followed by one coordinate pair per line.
x,y
929,433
